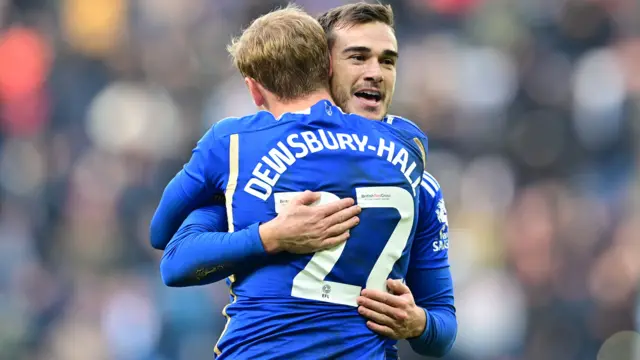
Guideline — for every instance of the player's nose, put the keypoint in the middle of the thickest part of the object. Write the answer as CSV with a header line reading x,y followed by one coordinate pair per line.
x,y
373,73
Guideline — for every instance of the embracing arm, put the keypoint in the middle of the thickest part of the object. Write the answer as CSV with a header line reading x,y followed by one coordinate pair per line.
x,y
195,185
429,276
203,252
421,310
433,292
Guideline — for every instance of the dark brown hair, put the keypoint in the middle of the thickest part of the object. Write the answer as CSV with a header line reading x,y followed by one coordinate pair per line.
x,y
349,15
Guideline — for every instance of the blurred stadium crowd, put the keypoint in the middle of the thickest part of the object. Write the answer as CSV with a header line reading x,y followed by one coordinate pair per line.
x,y
532,108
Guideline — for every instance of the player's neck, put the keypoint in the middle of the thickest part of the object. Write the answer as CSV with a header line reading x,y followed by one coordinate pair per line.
x,y
278,108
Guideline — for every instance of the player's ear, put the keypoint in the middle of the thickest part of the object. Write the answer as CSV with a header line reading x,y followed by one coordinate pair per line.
x,y
255,91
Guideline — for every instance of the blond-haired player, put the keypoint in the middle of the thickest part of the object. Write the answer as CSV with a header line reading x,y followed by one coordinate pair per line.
x,y
261,57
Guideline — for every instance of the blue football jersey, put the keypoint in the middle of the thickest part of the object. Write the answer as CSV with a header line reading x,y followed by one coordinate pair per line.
x,y
304,306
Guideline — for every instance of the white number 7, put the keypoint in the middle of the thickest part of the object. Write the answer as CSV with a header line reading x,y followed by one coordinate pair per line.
x,y
310,282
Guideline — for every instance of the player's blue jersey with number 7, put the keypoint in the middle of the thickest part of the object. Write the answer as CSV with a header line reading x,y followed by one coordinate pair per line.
x,y
304,306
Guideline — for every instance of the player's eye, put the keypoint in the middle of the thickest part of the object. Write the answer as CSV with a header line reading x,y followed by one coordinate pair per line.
x,y
389,61
357,57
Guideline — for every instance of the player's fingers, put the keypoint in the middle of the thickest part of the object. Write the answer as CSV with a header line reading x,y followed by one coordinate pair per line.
x,y
382,330
342,215
306,198
397,287
343,226
335,206
383,297
334,241
382,308
376,317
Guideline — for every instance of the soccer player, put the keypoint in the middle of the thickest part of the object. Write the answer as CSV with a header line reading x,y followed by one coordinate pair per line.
x,y
364,53
363,50
288,305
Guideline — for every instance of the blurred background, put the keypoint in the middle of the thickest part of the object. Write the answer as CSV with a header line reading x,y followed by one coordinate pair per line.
x,y
532,108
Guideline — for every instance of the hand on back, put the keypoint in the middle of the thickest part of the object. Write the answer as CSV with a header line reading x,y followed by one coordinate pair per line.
x,y
302,227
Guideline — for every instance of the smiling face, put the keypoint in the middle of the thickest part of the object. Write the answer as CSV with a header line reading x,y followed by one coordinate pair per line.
x,y
364,60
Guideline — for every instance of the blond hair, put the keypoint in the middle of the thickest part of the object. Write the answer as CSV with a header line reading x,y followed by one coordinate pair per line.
x,y
285,51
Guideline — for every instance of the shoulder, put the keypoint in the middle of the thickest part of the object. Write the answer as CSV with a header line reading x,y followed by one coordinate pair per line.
x,y
432,199
409,130
405,124
234,125
218,131
431,187
408,127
